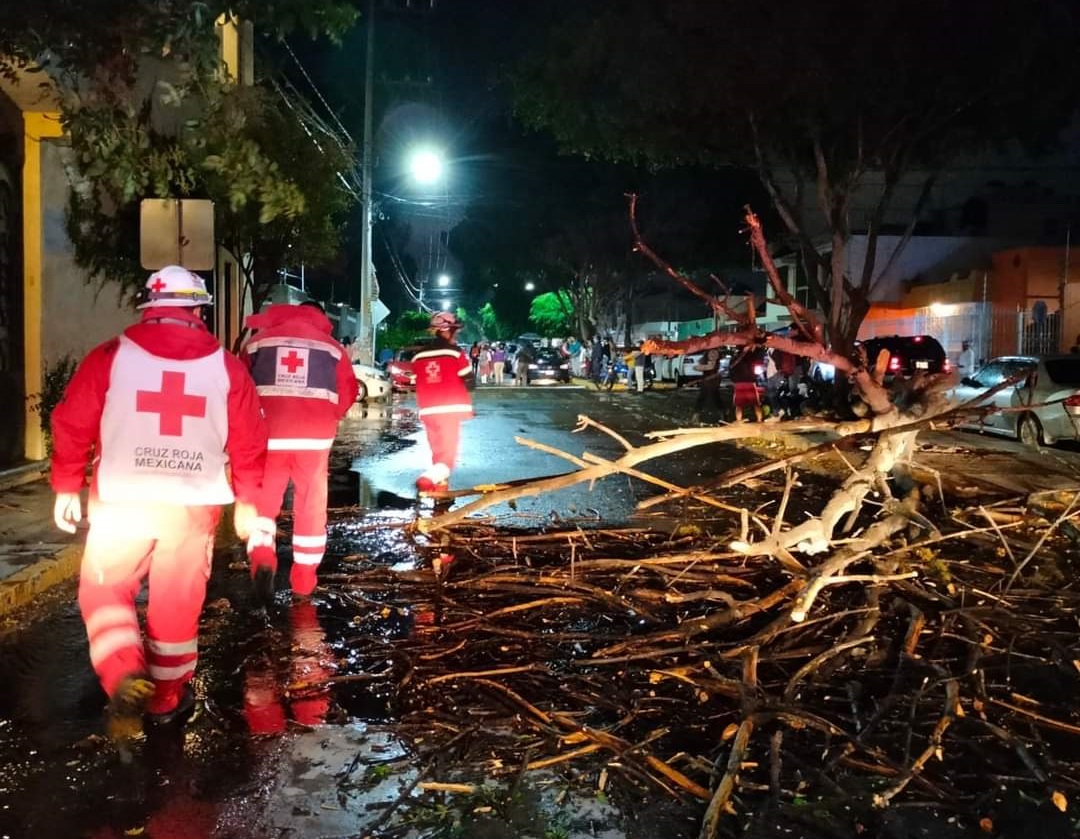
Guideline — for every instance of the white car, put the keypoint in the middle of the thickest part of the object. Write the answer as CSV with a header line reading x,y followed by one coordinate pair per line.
x,y
373,382
1049,384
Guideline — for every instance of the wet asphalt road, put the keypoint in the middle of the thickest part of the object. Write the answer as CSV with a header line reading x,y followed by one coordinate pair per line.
x,y
233,770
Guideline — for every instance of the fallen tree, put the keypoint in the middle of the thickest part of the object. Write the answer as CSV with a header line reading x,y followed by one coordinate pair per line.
x,y
834,569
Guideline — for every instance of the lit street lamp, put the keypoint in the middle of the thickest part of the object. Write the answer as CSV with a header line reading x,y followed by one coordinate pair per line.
x,y
530,286
443,281
426,166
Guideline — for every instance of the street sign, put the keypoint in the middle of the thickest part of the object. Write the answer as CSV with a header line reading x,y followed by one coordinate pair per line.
x,y
177,232
379,312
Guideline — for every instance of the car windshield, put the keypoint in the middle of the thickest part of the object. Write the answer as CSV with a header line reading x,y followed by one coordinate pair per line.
x,y
998,371
548,356
1064,371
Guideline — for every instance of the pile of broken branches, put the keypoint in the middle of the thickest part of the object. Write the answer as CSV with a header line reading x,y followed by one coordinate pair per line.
x,y
938,670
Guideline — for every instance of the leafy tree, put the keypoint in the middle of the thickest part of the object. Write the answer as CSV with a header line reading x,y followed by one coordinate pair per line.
x,y
406,329
835,107
552,313
493,326
107,38
274,184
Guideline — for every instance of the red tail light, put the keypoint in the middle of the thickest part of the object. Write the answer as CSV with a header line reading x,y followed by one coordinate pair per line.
x,y
946,367
1073,401
894,363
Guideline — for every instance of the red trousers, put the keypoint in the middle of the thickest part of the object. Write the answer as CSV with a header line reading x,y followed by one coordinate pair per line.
x,y
306,695
127,543
308,471
443,434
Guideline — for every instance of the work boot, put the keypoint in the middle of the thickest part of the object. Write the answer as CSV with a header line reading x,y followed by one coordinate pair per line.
x,y
303,579
185,704
262,585
124,718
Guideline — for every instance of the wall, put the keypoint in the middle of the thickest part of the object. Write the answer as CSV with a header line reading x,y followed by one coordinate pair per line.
x,y
75,316
924,258
967,289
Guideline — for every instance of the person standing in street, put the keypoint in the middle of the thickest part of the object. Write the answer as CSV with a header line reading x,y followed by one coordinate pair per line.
x,y
177,433
641,366
498,363
744,375
442,399
522,360
708,398
306,385
965,364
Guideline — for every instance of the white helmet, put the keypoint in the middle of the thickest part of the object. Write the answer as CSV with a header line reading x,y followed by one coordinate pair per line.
x,y
175,286
445,321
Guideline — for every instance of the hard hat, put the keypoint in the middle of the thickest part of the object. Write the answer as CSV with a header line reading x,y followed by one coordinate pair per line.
x,y
445,321
175,286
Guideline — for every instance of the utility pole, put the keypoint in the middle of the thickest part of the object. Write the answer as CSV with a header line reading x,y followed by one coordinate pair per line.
x,y
366,337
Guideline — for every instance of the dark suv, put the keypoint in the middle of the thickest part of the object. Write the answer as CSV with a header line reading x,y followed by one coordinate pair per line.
x,y
908,355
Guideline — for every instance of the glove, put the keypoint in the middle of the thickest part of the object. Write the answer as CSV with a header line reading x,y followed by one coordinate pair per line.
x,y
244,515
261,533
67,511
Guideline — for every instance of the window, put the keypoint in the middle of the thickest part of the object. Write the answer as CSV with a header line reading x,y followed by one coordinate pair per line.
x,y
990,375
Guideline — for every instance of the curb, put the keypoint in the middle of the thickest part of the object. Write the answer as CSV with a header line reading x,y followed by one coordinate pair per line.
x,y
25,474
22,587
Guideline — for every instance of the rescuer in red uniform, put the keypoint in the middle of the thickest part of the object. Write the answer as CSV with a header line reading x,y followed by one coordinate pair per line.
x,y
177,433
306,385
442,399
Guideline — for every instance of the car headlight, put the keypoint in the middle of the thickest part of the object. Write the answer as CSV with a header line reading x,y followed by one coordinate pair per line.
x,y
564,366
534,366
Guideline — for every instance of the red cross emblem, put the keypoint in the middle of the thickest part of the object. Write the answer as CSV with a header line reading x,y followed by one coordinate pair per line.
x,y
157,285
171,404
292,362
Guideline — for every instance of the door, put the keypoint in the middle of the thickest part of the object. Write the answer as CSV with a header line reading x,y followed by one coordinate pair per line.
x,y
12,385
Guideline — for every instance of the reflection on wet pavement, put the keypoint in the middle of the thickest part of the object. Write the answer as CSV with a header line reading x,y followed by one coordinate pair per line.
x,y
286,737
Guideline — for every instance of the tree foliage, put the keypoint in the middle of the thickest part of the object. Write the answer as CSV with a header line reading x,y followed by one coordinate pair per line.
x,y
553,314
150,114
97,38
832,105
407,328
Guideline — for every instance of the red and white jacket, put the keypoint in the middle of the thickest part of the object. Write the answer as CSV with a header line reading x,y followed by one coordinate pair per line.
x,y
440,370
204,400
304,377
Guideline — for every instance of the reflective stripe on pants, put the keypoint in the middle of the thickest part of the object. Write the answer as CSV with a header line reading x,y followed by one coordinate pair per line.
x,y
443,435
309,473
127,543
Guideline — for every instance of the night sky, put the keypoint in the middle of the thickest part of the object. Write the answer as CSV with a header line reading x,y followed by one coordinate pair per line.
x,y
440,78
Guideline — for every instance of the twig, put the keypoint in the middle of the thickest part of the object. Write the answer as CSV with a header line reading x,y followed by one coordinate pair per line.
x,y
1042,539
952,701
719,802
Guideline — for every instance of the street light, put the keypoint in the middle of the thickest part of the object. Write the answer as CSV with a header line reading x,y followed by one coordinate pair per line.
x,y
530,286
426,166
443,281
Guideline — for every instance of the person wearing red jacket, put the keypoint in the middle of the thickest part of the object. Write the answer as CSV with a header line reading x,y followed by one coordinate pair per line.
x,y
306,385
176,429
442,400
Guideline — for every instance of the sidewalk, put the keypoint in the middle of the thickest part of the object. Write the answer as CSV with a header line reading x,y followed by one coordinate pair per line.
x,y
34,555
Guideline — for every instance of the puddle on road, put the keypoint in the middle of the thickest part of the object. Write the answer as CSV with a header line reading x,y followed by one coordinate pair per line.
x,y
292,730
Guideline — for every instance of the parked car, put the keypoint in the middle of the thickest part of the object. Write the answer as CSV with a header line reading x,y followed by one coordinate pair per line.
x,y
399,369
373,382
908,354
548,366
1049,384
686,366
